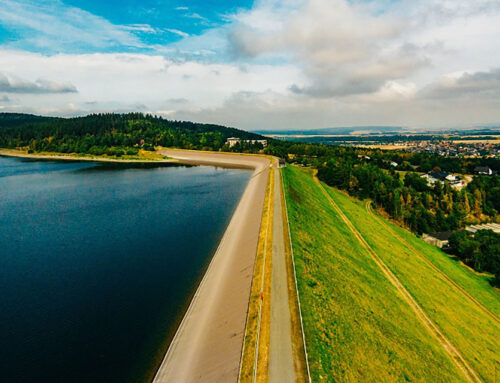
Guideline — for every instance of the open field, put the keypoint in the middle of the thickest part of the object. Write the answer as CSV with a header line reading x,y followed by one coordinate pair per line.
x,y
357,326
495,141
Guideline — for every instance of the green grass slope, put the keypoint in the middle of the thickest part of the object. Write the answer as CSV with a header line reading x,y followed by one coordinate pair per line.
x,y
473,332
357,327
475,284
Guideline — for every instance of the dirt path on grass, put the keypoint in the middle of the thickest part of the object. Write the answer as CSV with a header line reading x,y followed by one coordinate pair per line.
x,y
452,351
434,267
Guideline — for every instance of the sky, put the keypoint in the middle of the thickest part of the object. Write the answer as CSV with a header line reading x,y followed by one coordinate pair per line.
x,y
256,65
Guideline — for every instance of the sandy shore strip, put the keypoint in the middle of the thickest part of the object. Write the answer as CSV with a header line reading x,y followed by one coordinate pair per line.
x,y
207,345
68,157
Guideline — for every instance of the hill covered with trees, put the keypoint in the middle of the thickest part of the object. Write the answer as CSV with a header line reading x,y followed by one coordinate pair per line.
x,y
112,134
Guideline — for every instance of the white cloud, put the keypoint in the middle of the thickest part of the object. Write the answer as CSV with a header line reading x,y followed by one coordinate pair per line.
x,y
14,84
465,84
281,64
144,28
120,81
178,32
195,16
201,20
343,48
53,25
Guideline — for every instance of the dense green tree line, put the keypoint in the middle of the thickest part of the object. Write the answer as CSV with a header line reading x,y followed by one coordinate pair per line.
x,y
366,173
410,200
18,119
112,134
422,162
480,251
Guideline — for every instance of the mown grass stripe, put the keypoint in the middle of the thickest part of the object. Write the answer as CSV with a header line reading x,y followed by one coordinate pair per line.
x,y
434,267
453,352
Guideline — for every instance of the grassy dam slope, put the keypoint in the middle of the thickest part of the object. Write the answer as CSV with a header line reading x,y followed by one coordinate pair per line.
x,y
378,303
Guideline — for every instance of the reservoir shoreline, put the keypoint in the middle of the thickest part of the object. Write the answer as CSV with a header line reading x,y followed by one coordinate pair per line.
x,y
55,157
208,342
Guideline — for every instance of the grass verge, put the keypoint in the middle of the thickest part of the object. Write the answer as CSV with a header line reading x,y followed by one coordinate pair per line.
x,y
257,332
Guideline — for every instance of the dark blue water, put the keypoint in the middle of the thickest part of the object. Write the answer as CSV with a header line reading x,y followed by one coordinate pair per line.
x,y
98,262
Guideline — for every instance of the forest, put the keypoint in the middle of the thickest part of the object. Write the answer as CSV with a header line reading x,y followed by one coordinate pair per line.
x,y
480,251
409,200
112,134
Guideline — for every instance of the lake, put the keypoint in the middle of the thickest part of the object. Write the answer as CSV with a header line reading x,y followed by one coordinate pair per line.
x,y
98,263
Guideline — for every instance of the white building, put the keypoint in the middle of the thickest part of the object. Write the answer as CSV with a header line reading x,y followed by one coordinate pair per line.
x,y
483,170
485,226
442,176
440,239
231,141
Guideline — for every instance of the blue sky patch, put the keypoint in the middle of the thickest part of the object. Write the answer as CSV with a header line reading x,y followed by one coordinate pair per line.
x,y
82,26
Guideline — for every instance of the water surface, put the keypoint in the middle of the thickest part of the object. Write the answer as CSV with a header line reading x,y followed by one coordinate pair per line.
x,y
98,262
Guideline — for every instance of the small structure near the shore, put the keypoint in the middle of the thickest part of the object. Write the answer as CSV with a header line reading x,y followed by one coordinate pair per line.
x,y
231,141
442,176
440,239
483,170
281,163
495,227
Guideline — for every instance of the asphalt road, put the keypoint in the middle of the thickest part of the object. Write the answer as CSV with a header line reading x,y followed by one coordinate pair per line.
x,y
281,366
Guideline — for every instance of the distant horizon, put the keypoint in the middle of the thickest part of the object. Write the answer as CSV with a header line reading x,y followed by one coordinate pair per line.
x,y
257,65
477,126
400,128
